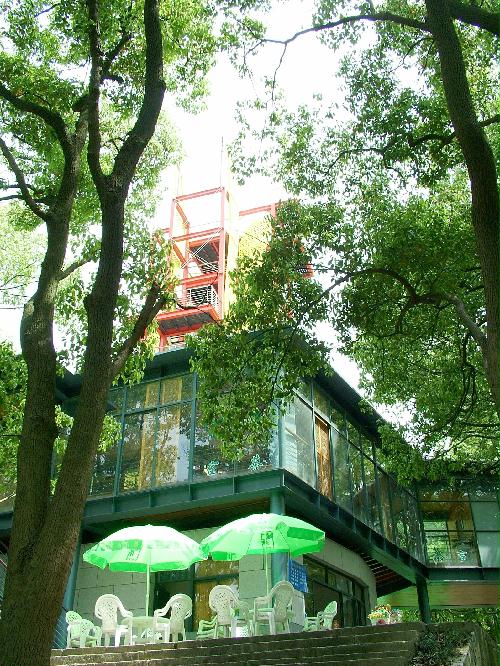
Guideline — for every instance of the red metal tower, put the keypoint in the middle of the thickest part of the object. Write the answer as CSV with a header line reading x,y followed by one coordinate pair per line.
x,y
198,235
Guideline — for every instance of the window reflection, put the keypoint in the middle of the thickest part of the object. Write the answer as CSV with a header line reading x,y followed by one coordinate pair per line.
x,y
342,470
137,451
299,445
172,449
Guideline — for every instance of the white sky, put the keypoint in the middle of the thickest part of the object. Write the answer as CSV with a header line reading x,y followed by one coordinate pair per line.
x,y
308,68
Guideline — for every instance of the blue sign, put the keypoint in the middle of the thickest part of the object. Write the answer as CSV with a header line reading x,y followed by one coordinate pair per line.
x,y
297,576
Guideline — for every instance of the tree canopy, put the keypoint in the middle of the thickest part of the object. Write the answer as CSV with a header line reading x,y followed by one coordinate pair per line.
x,y
405,238
81,93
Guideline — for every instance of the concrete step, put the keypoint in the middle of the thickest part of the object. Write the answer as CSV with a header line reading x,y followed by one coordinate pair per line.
x,y
392,645
229,645
361,660
211,654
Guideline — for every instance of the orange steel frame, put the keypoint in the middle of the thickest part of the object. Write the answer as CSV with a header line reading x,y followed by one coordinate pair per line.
x,y
189,237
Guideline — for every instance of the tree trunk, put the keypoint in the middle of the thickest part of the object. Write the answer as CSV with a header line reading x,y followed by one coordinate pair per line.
x,y
481,167
46,529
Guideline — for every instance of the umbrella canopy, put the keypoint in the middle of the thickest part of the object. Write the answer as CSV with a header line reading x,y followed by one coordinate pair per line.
x,y
263,533
145,548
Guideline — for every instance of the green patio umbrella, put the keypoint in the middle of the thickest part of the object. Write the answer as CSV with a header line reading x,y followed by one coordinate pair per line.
x,y
261,534
145,548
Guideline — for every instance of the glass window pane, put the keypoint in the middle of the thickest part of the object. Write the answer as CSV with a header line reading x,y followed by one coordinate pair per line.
x,y
304,390
441,493
208,461
371,493
358,490
298,454
173,444
137,454
321,401
174,389
366,446
259,457
337,419
142,395
483,489
452,549
488,548
485,515
399,512
352,433
315,570
414,530
115,400
341,470
456,515
103,477
385,505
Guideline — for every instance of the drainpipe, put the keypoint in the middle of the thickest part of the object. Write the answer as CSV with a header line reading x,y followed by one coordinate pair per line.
x,y
279,561
423,600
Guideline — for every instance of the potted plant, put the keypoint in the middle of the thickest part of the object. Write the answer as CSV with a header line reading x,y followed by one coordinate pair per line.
x,y
380,614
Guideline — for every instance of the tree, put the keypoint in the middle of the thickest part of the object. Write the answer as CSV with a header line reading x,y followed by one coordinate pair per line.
x,y
415,252
85,80
19,257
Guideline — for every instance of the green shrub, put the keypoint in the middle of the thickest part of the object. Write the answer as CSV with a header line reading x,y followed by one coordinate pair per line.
x,y
438,648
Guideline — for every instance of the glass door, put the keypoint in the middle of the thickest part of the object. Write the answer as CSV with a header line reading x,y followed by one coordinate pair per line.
x,y
322,436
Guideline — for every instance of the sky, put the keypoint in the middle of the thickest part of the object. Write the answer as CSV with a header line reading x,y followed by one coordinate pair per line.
x,y
308,68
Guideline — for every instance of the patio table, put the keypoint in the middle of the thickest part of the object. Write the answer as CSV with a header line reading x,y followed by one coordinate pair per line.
x,y
140,623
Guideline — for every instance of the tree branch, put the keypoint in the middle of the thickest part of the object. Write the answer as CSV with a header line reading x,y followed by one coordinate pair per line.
x,y
113,53
96,56
155,301
51,118
446,139
474,15
154,90
345,20
66,272
21,181
467,320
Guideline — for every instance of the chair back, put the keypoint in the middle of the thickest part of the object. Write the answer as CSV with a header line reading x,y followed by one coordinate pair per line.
x,y
281,598
222,601
181,607
74,622
106,609
329,613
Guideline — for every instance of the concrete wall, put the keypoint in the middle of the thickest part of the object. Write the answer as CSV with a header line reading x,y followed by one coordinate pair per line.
x,y
91,582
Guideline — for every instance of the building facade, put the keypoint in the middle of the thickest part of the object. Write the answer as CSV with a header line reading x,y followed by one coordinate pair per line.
x,y
412,547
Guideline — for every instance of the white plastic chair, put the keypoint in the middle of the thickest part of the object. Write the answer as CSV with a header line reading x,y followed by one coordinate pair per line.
x,y
207,629
180,607
222,601
242,625
274,608
80,632
323,619
106,610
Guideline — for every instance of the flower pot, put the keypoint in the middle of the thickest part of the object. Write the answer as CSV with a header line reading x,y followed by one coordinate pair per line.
x,y
378,620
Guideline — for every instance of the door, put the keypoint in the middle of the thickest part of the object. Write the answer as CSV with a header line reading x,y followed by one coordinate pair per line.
x,y
322,431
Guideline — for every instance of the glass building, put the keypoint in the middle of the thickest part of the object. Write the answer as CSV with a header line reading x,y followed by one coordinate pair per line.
x,y
406,545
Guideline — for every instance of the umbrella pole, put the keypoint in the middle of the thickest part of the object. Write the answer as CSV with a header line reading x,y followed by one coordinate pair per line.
x,y
147,588
267,570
